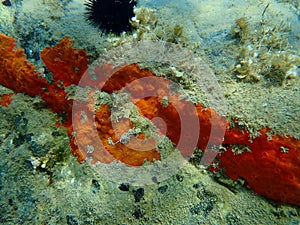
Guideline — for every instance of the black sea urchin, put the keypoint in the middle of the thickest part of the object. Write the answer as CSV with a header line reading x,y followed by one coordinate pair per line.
x,y
110,15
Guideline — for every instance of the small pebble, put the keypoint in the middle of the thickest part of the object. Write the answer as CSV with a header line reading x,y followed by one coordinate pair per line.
x,y
138,194
162,189
154,179
138,213
71,220
124,187
6,2
95,186
179,177
196,186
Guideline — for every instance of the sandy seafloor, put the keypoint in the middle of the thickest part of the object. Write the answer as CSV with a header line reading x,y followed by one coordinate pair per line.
x,y
41,182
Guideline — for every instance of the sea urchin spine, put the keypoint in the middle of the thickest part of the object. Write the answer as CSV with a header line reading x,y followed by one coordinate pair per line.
x,y
110,15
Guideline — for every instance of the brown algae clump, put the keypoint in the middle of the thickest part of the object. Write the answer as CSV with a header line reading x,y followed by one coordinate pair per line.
x,y
264,52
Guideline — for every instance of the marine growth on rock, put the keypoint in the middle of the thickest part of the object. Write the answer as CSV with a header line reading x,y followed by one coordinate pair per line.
x,y
271,166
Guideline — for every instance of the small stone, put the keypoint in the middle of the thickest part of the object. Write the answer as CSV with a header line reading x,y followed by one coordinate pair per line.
x,y
196,186
95,187
138,213
71,220
179,177
162,189
6,2
138,194
154,179
124,187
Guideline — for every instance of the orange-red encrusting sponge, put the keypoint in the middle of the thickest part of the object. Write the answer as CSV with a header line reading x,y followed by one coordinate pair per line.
x,y
181,118
16,72
99,139
271,168
6,99
67,66
267,169
143,148
66,63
